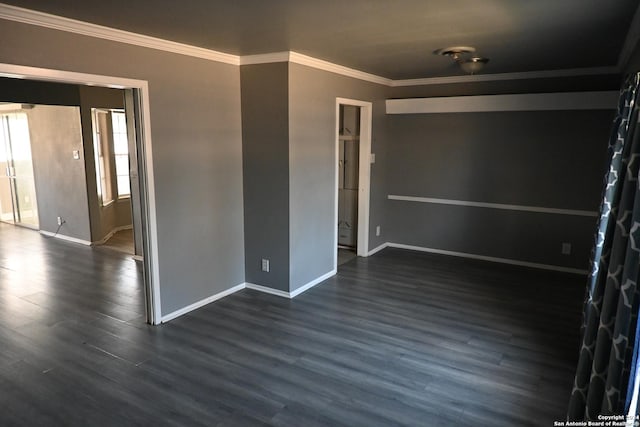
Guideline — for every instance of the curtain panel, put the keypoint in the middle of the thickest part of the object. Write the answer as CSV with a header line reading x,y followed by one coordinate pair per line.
x,y
611,304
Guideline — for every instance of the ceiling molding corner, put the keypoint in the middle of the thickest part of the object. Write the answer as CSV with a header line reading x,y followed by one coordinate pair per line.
x,y
265,58
46,20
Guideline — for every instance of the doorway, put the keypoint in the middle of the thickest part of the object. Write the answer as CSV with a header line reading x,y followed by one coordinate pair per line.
x,y
137,108
18,202
353,166
348,171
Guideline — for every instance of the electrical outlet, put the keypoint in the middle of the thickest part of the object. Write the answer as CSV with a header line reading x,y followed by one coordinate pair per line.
x,y
378,230
265,265
60,221
566,248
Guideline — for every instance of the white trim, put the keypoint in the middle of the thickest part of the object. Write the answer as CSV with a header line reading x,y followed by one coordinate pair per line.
x,y
66,238
24,72
265,58
312,283
630,42
319,64
201,303
474,78
378,249
295,292
536,209
364,174
46,20
491,259
596,100
111,233
267,290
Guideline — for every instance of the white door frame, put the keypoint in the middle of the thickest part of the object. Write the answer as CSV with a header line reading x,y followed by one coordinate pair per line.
x,y
364,175
152,279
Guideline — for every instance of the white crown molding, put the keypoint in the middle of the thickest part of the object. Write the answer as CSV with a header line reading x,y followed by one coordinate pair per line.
x,y
473,78
319,64
32,17
41,19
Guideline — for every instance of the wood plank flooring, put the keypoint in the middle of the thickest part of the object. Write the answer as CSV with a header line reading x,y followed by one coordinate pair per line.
x,y
400,338
121,241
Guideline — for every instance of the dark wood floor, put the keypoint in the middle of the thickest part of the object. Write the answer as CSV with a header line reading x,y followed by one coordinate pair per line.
x,y
400,338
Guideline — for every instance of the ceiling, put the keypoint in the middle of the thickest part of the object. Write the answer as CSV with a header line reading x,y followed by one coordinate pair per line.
x,y
392,39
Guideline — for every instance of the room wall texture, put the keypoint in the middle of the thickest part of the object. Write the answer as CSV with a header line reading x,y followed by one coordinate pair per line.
x,y
197,149
551,159
265,165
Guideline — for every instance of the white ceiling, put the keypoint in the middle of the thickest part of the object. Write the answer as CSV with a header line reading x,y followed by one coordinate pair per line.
x,y
393,39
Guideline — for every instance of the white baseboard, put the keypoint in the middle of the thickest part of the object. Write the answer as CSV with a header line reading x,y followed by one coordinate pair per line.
x,y
67,238
201,303
312,283
267,290
490,259
295,292
111,233
378,249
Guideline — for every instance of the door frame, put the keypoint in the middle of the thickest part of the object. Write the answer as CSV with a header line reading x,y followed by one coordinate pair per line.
x,y
145,160
364,175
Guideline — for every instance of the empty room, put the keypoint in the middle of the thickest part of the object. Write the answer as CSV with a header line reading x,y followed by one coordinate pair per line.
x,y
306,213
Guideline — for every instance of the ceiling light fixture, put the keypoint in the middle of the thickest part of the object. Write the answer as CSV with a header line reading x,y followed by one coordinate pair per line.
x,y
465,57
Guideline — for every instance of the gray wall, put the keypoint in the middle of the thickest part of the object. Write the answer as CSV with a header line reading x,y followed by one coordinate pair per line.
x,y
547,159
265,154
55,133
104,219
312,145
196,137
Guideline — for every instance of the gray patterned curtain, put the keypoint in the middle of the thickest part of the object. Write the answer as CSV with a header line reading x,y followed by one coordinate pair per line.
x,y
611,304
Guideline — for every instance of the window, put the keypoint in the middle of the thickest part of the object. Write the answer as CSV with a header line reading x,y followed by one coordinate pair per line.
x,y
121,153
111,148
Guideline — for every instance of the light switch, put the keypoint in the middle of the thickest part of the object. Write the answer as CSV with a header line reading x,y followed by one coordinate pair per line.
x,y
373,158
76,154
